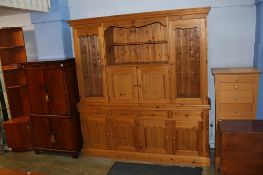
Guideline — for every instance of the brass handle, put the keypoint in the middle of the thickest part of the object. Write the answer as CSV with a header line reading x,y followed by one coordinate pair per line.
x,y
53,140
47,97
235,111
167,137
237,79
235,98
236,87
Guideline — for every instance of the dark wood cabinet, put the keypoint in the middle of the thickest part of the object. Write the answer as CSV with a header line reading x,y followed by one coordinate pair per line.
x,y
12,57
53,95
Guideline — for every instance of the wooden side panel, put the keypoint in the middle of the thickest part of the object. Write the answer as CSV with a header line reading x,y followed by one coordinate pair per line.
x,y
122,82
154,82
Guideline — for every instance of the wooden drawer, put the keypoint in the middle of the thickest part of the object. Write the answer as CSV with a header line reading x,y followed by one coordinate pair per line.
x,y
236,86
117,112
236,97
162,114
235,78
187,115
94,111
235,110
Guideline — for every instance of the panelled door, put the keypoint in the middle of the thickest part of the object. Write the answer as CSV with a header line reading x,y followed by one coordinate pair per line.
x,y
121,83
90,64
187,133
154,84
124,131
55,90
187,42
154,132
96,132
36,90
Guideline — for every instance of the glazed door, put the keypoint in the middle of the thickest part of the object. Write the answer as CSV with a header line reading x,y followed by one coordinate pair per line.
x,y
187,42
36,90
122,84
124,133
42,132
55,91
154,132
96,132
187,134
154,84
90,64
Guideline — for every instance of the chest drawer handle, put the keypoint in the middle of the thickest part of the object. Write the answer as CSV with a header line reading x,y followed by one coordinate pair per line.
x,y
235,98
235,111
236,87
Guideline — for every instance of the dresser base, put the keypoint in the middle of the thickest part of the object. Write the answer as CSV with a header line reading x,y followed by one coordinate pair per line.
x,y
152,158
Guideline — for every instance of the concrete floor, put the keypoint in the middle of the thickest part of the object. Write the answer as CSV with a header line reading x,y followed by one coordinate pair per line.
x,y
54,164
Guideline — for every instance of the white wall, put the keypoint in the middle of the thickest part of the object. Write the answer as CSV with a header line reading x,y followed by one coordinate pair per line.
x,y
231,28
23,20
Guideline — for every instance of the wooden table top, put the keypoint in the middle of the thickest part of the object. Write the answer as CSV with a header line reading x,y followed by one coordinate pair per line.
x,y
4,171
248,126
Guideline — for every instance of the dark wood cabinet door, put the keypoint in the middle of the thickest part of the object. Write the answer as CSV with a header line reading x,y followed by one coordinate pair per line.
x,y
61,130
36,90
56,91
42,132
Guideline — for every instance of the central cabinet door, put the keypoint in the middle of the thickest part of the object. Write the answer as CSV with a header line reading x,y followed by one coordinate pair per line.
x,y
124,133
155,132
122,83
154,82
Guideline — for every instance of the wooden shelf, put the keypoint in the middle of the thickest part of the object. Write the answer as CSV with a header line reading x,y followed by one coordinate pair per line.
x,y
137,43
12,67
16,86
11,47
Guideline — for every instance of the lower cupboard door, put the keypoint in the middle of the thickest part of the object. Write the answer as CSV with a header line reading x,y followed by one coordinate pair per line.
x,y
187,137
42,132
95,131
124,134
62,134
154,135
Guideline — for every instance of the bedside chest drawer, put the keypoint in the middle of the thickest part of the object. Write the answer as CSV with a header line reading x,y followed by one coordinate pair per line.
x,y
236,86
235,110
235,78
236,97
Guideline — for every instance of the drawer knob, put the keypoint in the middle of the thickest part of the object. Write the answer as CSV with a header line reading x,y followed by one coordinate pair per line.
x,y
235,111
236,87
236,79
235,98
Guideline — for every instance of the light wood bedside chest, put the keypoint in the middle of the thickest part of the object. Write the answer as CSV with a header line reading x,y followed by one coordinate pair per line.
x,y
236,91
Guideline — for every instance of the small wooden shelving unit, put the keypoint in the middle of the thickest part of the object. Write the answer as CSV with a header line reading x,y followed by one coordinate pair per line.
x,y
13,55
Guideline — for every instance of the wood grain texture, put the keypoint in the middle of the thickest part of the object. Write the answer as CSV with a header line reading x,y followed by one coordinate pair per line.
x,y
236,95
241,151
153,75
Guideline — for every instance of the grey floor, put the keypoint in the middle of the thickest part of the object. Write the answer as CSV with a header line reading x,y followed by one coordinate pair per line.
x,y
54,164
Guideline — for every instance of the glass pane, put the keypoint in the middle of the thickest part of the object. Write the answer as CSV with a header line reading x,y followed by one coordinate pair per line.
x,y
91,66
188,62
